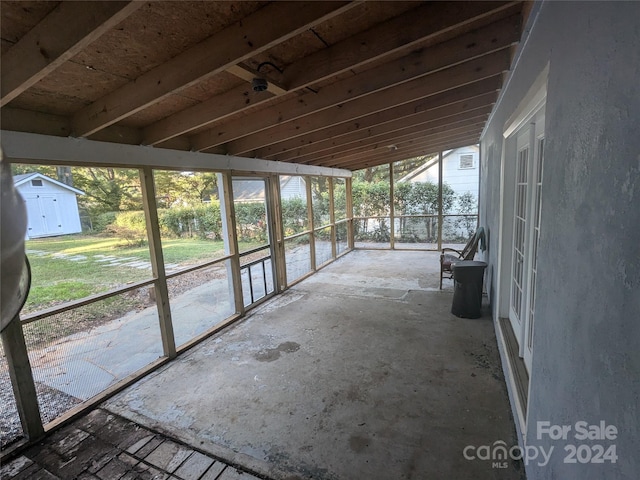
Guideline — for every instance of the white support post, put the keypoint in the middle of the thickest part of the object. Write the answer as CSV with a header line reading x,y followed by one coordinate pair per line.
x,y
157,261
21,376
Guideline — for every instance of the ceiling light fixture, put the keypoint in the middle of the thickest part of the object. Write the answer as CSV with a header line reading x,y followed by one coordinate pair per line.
x,y
260,84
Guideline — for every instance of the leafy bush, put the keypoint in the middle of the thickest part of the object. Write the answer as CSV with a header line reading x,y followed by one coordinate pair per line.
x,y
251,222
294,216
202,221
102,221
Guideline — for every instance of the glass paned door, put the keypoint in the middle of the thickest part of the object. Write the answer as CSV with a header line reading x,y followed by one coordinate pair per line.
x,y
526,232
520,226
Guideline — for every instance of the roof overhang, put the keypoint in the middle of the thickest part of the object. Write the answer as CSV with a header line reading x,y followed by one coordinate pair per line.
x,y
345,80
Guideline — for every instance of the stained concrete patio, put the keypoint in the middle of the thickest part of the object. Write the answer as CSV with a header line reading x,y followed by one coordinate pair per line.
x,y
358,372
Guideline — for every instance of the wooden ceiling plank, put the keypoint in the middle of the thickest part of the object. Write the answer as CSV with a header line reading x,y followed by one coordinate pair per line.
x,y
423,152
329,138
474,44
255,33
58,37
218,107
409,135
20,120
456,98
420,150
399,33
397,132
408,144
442,80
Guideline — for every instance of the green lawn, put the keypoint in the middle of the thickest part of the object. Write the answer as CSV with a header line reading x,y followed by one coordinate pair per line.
x,y
60,274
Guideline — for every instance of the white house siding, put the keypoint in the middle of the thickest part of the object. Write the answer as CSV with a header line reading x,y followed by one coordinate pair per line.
x,y
460,180
293,187
464,180
51,209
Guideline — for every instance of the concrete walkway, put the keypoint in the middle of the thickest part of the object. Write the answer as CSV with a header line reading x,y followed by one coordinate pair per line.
x,y
84,364
359,372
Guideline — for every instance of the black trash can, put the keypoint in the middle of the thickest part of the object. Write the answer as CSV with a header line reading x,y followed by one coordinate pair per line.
x,y
467,282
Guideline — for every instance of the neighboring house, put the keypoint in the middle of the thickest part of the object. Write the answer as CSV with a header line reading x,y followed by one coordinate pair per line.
x,y
52,206
292,187
460,170
249,191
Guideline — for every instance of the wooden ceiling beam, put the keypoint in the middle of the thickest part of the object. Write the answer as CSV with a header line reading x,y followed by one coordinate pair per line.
x,y
36,149
218,108
63,33
438,116
20,120
398,34
408,138
422,150
418,142
442,80
442,104
246,38
246,73
480,42
397,134
490,38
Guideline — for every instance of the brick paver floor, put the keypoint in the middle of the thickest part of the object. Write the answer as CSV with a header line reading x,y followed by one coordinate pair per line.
x,y
103,446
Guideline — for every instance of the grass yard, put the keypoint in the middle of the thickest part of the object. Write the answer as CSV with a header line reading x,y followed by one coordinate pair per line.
x,y
74,266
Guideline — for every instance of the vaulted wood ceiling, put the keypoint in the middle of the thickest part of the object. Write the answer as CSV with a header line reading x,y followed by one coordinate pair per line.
x,y
350,84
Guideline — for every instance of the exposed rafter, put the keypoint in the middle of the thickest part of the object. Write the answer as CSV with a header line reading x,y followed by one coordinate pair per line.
x,y
345,80
443,80
63,33
339,137
242,40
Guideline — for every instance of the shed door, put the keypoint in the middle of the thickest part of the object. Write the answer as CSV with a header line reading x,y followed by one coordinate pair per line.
x,y
43,214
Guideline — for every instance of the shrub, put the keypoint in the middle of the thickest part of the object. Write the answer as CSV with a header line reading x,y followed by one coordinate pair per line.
x,y
100,222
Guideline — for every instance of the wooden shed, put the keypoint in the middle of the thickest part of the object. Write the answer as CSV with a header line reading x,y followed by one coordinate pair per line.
x,y
52,206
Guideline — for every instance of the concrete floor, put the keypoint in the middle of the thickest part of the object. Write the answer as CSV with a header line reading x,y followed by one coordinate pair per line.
x,y
358,372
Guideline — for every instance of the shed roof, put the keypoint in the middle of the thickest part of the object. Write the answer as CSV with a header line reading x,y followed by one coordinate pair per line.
x,y
23,178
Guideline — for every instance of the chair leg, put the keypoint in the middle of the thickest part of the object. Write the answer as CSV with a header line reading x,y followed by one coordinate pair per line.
x,y
441,274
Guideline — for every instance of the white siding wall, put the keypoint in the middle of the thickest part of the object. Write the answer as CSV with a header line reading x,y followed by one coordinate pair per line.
x,y
460,180
294,188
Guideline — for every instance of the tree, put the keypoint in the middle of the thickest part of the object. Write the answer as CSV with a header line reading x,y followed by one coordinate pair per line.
x,y
468,205
21,169
185,188
108,189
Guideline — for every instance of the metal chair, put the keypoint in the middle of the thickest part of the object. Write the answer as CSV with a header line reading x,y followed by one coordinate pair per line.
x,y
467,253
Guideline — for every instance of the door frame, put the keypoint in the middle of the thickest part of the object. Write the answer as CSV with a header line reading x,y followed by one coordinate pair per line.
x,y
530,104
272,212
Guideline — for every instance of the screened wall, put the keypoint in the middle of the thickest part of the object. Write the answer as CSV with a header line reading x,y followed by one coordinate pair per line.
x,y
165,258
422,203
